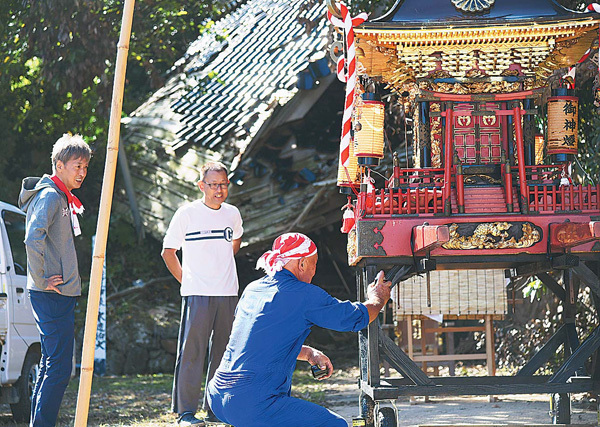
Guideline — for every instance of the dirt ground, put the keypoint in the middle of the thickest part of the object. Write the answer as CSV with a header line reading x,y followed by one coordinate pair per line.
x,y
342,397
508,410
143,401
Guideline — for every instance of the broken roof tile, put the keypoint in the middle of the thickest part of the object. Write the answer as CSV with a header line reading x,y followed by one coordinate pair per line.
x,y
255,53
265,47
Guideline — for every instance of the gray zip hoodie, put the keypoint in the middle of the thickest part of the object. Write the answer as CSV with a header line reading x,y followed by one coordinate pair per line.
x,y
49,236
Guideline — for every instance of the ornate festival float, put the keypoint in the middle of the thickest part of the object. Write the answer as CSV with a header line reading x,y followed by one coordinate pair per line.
x,y
484,198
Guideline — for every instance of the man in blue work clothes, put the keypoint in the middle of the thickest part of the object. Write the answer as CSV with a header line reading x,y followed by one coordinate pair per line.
x,y
251,387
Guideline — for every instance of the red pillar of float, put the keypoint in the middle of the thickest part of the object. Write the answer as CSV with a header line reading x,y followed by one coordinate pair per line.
x,y
521,159
449,113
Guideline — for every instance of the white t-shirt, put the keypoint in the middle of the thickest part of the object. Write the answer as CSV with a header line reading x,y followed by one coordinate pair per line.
x,y
205,236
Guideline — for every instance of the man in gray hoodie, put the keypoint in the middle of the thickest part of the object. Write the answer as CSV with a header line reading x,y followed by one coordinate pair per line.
x,y
53,278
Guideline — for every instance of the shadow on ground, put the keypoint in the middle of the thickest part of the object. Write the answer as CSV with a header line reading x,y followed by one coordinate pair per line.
x,y
144,401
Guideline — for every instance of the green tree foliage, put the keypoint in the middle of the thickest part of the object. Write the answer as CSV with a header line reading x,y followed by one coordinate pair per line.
x,y
56,72
589,128
374,8
57,69
36,103
162,31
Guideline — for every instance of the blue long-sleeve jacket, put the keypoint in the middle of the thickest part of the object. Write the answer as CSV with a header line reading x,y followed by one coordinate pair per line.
x,y
272,320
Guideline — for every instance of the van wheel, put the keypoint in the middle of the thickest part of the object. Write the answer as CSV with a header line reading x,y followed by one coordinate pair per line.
x,y
21,410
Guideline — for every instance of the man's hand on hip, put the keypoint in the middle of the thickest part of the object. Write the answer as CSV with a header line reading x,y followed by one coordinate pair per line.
x,y
52,282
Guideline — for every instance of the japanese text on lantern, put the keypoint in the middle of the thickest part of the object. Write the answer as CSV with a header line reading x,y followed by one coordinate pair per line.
x,y
562,124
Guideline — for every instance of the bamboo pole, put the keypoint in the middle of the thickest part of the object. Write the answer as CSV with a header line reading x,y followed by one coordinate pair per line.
x,y
108,183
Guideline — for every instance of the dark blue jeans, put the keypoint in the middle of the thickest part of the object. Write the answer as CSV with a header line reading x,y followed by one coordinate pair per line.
x,y
55,318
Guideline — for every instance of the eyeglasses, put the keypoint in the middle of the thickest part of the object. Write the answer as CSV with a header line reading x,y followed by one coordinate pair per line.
x,y
215,186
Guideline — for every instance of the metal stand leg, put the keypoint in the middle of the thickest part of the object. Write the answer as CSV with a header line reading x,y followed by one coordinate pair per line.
x,y
368,346
367,409
560,408
411,348
490,351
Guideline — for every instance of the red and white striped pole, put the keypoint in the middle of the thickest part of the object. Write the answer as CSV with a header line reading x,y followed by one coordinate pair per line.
x,y
346,72
592,7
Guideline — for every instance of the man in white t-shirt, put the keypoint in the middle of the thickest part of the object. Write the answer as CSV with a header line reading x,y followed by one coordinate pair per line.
x,y
209,233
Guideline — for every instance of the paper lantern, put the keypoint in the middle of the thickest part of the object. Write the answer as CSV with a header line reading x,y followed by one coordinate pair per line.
x,y
349,176
562,124
368,133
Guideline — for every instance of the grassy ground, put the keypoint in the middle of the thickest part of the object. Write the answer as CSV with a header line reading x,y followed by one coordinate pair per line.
x,y
144,400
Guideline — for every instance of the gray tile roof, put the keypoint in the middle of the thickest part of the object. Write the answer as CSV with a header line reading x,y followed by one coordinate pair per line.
x,y
254,56
232,80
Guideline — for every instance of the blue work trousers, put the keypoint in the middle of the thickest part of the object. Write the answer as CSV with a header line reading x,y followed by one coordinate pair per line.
x,y
249,406
55,318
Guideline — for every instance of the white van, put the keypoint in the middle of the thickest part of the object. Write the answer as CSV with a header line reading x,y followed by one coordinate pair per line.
x,y
19,338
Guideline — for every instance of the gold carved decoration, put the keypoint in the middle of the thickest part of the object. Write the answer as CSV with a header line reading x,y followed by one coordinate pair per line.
x,y
375,59
417,140
475,72
508,73
439,74
488,120
352,246
492,235
486,178
436,136
398,74
453,38
468,88
567,53
463,121
474,52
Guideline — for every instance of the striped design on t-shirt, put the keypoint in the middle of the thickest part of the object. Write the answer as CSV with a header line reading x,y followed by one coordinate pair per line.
x,y
226,234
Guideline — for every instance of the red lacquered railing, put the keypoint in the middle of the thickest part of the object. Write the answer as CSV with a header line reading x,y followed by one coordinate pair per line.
x,y
538,174
408,192
421,192
544,198
546,195
401,201
412,177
